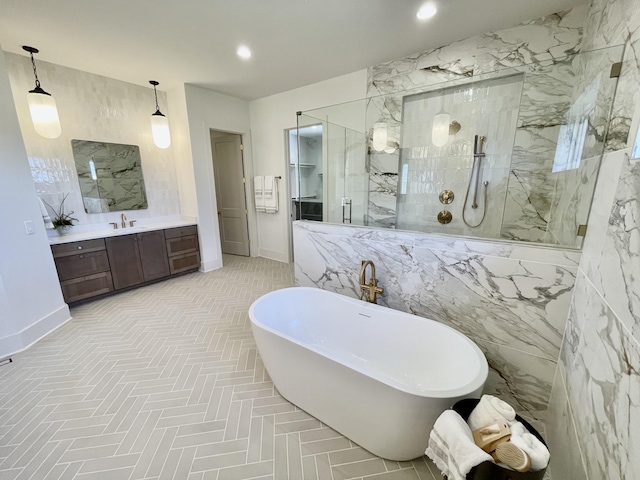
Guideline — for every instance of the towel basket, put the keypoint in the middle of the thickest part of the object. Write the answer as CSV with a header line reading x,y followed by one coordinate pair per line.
x,y
489,470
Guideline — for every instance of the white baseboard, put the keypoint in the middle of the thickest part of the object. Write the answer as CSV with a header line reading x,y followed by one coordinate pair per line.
x,y
23,339
211,265
274,255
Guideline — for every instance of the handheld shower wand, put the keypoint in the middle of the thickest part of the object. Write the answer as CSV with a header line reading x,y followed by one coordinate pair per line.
x,y
478,154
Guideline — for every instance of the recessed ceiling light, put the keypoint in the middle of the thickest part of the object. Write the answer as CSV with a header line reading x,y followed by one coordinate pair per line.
x,y
428,10
244,52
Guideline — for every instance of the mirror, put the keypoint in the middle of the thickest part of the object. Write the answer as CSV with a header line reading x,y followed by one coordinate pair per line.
x,y
110,176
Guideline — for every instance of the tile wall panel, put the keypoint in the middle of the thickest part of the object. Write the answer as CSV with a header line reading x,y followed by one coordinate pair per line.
x,y
96,108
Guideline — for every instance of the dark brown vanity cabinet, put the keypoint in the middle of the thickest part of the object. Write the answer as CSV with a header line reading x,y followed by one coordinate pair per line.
x,y
95,267
183,249
83,269
137,258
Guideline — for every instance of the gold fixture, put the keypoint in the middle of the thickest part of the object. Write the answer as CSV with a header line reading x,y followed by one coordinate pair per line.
x,y
445,217
115,225
123,219
446,196
372,287
131,222
582,230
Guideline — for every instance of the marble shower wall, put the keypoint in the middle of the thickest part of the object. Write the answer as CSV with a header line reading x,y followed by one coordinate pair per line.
x,y
512,300
594,415
550,117
96,108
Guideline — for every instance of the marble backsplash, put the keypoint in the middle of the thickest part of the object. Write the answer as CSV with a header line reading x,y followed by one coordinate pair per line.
x,y
512,300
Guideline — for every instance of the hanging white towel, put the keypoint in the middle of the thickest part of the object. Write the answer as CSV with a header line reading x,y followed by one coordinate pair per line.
x,y
258,189
45,216
271,201
269,181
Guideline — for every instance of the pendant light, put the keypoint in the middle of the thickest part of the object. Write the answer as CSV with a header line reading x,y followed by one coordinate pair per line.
x,y
42,106
379,136
159,123
440,129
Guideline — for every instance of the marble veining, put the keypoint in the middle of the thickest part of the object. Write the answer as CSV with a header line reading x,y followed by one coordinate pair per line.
x,y
511,300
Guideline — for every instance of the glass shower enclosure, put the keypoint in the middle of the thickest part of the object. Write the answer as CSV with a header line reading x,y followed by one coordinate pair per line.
x,y
512,154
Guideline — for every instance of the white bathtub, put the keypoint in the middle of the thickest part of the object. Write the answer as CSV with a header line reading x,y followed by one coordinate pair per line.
x,y
378,376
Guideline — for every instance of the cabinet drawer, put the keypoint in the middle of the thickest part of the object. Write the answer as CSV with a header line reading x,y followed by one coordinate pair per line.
x,y
81,265
181,231
182,245
86,287
73,248
184,263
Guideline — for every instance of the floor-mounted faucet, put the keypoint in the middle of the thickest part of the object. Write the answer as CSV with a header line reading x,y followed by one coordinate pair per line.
x,y
369,290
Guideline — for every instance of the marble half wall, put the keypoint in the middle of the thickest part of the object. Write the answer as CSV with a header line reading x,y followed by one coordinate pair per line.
x,y
512,300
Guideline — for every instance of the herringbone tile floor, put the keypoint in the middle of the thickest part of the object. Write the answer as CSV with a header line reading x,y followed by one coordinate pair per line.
x,y
164,382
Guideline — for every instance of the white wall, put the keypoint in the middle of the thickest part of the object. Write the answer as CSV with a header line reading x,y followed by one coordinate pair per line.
x,y
270,117
31,303
181,143
208,110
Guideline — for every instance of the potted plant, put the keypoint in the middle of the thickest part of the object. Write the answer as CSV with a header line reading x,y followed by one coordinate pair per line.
x,y
62,221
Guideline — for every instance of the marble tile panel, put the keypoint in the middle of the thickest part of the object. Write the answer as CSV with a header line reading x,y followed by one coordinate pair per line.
x,y
566,461
616,269
571,201
603,384
606,185
522,380
542,39
518,304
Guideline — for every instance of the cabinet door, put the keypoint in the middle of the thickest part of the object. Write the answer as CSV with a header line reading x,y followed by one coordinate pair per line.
x,y
124,258
153,255
89,286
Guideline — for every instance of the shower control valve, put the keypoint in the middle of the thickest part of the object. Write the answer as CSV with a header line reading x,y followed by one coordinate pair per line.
x,y
446,196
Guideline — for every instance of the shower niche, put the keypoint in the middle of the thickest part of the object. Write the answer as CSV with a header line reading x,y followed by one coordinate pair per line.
x,y
486,109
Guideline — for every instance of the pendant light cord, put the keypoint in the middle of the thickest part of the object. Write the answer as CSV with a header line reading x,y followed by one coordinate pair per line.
x,y
35,72
156,94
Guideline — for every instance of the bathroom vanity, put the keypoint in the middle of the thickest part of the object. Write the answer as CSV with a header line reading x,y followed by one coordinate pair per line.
x,y
123,259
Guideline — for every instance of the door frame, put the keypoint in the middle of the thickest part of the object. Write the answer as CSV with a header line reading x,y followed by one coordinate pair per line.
x,y
247,166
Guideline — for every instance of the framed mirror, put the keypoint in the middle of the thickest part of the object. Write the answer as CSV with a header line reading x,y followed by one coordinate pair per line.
x,y
110,176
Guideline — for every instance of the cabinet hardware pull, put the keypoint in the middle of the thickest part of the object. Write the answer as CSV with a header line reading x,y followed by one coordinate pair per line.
x,y
79,248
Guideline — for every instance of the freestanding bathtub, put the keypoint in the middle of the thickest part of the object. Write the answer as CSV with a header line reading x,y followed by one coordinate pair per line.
x,y
378,376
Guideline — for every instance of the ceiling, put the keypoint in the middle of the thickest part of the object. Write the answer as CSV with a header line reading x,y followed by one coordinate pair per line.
x,y
294,42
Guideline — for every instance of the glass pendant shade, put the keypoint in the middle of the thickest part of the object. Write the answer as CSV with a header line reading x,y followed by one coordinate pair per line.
x,y
44,113
440,130
379,136
160,130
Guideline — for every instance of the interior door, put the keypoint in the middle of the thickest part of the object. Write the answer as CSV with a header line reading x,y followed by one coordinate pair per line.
x,y
228,168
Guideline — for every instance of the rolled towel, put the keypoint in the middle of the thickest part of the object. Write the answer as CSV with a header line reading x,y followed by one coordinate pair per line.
x,y
451,446
489,410
529,443
45,216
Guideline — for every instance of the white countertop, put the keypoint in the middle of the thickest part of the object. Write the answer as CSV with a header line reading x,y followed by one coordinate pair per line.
x,y
78,235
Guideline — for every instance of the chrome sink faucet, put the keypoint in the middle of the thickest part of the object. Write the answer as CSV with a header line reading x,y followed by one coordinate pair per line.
x,y
123,219
369,290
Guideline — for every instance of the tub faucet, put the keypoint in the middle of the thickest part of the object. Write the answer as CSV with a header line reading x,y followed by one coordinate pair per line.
x,y
369,290
123,217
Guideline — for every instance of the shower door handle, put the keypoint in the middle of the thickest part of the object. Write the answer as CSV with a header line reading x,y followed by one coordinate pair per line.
x,y
346,201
